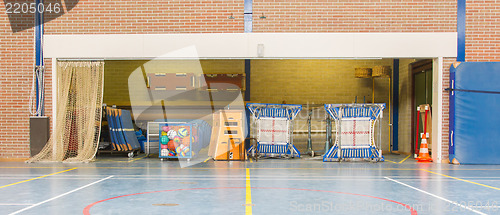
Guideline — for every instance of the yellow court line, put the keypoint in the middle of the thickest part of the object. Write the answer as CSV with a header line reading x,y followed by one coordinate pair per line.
x,y
43,176
495,188
115,161
405,159
260,168
390,161
222,168
136,159
206,160
97,160
248,202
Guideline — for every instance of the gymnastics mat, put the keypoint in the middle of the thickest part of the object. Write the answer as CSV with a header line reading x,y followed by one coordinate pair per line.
x,y
474,113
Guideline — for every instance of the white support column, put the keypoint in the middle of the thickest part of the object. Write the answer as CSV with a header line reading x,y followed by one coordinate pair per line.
x,y
437,109
54,99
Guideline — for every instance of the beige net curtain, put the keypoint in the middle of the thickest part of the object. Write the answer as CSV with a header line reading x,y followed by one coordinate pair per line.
x,y
78,118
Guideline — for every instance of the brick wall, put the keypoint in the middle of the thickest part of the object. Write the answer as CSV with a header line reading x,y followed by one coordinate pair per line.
x,y
307,82
16,64
189,16
314,81
354,16
482,30
117,81
93,17
150,16
317,82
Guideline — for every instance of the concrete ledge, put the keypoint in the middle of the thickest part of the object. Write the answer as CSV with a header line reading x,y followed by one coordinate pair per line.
x,y
251,45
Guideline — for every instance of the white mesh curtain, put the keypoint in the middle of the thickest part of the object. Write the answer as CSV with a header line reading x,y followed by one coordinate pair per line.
x,y
78,117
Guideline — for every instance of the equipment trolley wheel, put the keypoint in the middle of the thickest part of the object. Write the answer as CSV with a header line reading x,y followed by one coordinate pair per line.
x,y
254,153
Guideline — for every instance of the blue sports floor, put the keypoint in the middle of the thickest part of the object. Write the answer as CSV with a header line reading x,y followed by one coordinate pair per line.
x,y
118,185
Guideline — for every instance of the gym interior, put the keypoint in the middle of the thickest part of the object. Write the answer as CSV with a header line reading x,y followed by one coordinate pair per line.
x,y
257,108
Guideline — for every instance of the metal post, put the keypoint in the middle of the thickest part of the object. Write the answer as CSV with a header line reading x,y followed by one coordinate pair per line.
x,y
290,131
248,28
39,65
309,141
340,132
379,137
395,106
461,23
328,133
247,16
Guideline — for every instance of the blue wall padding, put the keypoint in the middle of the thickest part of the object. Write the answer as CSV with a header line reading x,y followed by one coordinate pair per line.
x,y
475,113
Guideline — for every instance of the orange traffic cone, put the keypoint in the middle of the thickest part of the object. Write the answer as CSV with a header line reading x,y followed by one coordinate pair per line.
x,y
423,155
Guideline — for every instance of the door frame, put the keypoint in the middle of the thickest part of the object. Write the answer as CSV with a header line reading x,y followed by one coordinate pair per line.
x,y
415,68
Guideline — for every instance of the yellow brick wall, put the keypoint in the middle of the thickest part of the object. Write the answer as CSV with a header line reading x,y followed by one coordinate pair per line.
x,y
117,74
306,82
405,105
313,82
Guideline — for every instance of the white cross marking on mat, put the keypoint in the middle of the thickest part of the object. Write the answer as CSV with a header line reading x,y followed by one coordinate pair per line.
x,y
358,133
273,131
354,133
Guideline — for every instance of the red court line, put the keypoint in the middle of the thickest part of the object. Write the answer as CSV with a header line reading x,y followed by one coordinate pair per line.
x,y
86,210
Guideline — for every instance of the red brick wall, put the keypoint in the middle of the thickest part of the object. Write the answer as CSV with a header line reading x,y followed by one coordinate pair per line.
x,y
93,17
150,16
482,30
190,16
355,16
16,64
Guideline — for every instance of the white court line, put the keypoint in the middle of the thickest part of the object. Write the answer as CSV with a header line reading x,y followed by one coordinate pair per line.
x,y
439,197
13,204
242,179
68,176
256,179
59,196
492,206
127,176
